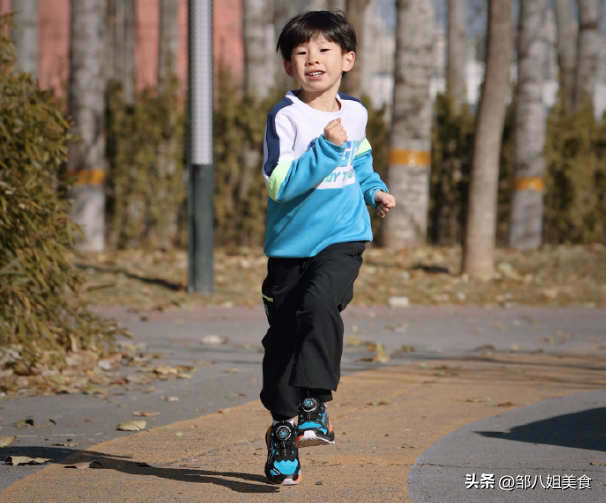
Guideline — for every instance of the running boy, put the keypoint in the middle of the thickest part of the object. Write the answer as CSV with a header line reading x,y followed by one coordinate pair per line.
x,y
319,175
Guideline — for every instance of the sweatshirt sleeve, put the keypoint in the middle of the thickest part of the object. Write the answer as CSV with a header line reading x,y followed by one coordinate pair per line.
x,y
287,177
370,181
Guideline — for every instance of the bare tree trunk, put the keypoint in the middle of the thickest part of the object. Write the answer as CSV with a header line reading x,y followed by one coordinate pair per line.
x,y
331,5
86,155
567,49
410,136
283,11
168,40
457,51
120,52
479,241
588,51
355,13
334,5
258,47
525,227
25,36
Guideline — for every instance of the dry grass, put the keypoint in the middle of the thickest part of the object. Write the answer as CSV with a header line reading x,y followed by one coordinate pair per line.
x,y
552,276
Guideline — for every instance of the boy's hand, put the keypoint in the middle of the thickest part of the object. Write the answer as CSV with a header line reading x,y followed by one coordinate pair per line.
x,y
335,133
384,202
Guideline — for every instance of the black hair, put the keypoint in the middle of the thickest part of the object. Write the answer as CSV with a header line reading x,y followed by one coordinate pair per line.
x,y
303,27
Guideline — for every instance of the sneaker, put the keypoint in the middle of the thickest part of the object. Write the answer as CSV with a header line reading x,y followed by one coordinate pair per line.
x,y
282,466
314,427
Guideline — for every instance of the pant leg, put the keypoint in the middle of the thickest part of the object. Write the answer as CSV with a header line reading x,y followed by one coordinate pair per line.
x,y
282,291
319,326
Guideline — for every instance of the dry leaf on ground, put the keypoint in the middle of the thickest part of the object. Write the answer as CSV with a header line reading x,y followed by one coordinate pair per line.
x,y
23,423
25,460
6,441
131,425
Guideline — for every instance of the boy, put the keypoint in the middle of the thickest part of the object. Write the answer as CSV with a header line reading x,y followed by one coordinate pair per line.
x,y
319,175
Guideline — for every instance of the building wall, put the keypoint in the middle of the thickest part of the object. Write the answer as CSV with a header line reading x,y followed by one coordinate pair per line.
x,y
54,36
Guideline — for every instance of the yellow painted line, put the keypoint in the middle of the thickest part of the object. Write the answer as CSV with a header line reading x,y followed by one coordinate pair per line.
x,y
528,183
88,176
410,157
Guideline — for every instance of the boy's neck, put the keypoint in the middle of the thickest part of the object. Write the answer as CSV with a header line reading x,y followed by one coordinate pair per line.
x,y
325,102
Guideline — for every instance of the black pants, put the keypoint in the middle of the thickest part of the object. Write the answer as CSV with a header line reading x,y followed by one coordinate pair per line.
x,y
303,301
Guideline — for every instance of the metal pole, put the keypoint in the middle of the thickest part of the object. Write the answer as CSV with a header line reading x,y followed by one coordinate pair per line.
x,y
200,147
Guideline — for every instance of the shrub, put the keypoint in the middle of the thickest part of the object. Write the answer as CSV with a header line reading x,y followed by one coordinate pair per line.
x,y
39,306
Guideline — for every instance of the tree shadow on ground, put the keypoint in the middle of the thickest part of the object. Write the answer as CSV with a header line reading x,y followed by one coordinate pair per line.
x,y
241,482
580,430
175,287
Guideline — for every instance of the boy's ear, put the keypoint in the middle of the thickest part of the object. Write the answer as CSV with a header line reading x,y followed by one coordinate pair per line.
x,y
349,59
288,68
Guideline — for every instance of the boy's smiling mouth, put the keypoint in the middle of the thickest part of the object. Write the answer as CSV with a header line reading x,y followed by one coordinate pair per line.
x,y
315,74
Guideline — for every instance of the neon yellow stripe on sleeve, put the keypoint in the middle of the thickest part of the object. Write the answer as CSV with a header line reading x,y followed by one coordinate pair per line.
x,y
277,177
364,147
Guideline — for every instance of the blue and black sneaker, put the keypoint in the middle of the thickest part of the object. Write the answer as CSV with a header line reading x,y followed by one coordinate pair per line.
x,y
282,465
314,427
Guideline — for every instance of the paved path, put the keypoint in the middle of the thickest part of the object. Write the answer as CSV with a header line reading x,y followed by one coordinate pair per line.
x,y
407,431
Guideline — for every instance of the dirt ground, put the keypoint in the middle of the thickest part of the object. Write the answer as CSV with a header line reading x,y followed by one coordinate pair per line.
x,y
561,276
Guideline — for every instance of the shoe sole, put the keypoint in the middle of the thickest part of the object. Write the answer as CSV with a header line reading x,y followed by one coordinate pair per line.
x,y
310,439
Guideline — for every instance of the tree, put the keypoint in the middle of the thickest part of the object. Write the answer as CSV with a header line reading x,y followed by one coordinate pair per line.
x,y
410,136
457,51
525,227
588,52
479,241
355,13
25,36
258,47
168,41
567,50
120,46
86,153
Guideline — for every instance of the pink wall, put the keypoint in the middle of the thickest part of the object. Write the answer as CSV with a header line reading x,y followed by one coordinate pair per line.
x,y
54,32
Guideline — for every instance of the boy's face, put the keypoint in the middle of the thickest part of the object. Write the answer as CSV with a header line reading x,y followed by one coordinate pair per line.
x,y
317,65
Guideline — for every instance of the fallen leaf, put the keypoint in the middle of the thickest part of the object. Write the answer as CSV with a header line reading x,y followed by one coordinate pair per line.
x,y
480,399
141,413
505,404
131,425
383,355
25,460
214,340
165,370
6,441
353,341
138,379
381,401
231,371
23,423
187,368
94,390
171,398
598,463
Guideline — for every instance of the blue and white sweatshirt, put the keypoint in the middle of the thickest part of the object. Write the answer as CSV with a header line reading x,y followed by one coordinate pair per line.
x,y
318,191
